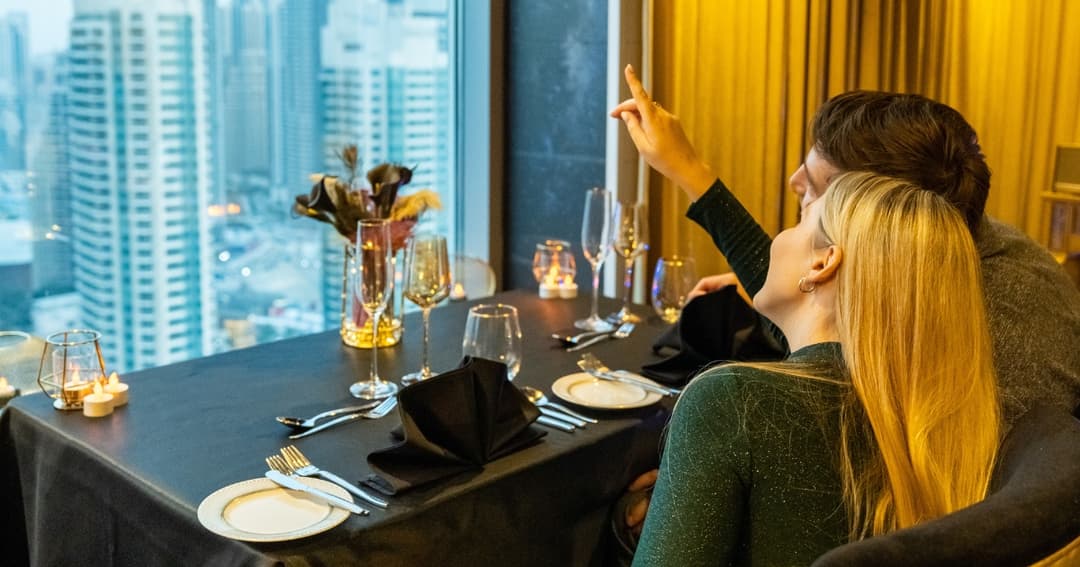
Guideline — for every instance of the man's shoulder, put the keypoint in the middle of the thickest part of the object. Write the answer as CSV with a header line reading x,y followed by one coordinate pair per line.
x,y
1014,262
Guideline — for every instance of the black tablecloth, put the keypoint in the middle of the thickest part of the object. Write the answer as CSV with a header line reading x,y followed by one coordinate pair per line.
x,y
124,489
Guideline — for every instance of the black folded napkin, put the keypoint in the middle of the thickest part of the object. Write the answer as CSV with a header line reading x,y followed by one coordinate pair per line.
x,y
454,422
717,326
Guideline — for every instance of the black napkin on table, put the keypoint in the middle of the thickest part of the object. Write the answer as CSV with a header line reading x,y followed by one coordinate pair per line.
x,y
454,422
717,326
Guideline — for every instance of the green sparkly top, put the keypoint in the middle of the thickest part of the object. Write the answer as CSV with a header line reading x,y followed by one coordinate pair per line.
x,y
750,473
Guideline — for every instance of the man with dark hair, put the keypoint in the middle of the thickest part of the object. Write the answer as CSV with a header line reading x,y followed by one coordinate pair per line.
x,y
1032,306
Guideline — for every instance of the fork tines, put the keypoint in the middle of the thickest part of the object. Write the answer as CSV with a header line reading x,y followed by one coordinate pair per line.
x,y
275,462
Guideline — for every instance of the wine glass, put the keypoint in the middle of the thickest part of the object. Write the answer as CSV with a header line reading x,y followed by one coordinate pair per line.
x,y
630,240
675,277
427,282
492,332
374,285
596,243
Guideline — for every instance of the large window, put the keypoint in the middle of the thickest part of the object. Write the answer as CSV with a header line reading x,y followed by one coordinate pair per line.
x,y
150,153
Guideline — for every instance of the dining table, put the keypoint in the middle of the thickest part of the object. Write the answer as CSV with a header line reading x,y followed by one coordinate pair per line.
x,y
125,489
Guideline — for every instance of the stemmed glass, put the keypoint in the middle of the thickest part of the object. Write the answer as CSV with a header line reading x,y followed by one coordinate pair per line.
x,y
674,279
596,243
374,285
492,331
631,234
427,282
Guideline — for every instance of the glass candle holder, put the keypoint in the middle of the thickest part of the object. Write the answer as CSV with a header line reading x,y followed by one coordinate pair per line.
x,y
554,269
71,363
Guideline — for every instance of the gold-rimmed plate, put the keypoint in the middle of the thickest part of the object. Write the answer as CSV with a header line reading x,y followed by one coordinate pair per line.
x,y
259,510
584,390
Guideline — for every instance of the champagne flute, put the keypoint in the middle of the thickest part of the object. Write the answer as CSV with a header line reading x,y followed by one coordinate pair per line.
x,y
427,282
631,235
374,285
674,279
596,243
492,331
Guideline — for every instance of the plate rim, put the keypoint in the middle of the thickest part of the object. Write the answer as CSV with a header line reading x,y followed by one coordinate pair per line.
x,y
649,399
211,509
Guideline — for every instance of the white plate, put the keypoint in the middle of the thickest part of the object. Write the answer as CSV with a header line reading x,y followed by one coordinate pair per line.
x,y
259,510
584,390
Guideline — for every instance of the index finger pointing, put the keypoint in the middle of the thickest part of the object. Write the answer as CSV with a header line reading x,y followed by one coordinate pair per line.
x,y
643,99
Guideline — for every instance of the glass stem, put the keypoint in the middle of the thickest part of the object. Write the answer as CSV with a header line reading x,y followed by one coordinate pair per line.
x,y
595,291
628,283
425,371
375,349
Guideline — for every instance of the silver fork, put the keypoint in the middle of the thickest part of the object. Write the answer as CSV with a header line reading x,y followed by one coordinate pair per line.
x,y
381,410
287,478
589,363
302,466
622,332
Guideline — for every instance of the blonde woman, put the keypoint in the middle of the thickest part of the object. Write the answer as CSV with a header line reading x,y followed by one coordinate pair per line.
x,y
884,415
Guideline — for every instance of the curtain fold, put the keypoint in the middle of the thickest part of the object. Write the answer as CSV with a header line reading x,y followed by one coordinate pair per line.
x,y
746,77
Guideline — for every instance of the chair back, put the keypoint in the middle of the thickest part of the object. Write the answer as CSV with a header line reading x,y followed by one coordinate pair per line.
x,y
470,276
1031,514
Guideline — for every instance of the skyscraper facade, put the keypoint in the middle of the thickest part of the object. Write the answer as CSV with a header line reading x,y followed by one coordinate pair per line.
x,y
139,161
14,80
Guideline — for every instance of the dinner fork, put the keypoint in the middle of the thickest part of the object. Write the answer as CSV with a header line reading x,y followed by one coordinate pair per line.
x,y
284,477
381,410
303,466
589,363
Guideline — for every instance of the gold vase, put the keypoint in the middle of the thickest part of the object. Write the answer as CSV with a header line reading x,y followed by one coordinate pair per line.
x,y
355,323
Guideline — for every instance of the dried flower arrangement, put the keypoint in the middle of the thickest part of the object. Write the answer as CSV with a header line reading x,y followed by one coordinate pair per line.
x,y
335,201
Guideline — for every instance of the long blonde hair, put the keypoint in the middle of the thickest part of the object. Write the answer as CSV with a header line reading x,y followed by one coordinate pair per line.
x,y
913,332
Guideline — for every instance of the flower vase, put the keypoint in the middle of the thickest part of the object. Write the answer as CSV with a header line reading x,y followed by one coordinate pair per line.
x,y
355,323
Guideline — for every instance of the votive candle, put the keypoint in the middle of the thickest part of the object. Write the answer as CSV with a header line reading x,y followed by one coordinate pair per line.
x,y
117,389
98,404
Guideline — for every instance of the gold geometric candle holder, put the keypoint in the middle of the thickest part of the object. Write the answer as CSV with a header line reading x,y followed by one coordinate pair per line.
x,y
71,363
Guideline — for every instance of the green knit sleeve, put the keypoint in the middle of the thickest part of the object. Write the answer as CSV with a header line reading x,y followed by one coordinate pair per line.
x,y
738,236
697,509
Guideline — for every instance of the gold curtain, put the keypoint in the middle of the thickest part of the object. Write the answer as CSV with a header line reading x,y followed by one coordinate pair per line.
x,y
745,77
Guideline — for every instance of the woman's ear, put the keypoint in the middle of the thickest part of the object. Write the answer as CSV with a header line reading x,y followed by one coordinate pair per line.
x,y
824,264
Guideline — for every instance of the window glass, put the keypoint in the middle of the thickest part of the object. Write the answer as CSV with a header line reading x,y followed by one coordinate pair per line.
x,y
151,152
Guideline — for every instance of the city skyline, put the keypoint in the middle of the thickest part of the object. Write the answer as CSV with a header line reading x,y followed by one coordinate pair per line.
x,y
161,196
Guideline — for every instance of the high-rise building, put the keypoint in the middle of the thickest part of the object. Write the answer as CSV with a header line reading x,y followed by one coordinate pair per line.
x,y
49,185
386,88
14,80
139,156
247,104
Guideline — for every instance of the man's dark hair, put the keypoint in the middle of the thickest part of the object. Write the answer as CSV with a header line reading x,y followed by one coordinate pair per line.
x,y
909,137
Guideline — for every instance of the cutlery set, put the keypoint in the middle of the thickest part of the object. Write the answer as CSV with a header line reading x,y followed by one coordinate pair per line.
x,y
291,463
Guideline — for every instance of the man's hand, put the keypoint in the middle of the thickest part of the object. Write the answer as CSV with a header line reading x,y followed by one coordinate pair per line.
x,y
710,284
635,513
660,139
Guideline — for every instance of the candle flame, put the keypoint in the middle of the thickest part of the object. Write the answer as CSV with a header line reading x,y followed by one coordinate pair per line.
x,y
75,375
3,382
98,389
114,378
459,290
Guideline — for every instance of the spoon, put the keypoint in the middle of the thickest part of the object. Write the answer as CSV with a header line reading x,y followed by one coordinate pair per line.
x,y
537,397
301,423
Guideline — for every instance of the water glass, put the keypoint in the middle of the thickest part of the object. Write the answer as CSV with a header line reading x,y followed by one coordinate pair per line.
x,y
492,332
673,280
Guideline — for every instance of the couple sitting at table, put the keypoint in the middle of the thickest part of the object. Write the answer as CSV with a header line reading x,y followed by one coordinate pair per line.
x,y
886,412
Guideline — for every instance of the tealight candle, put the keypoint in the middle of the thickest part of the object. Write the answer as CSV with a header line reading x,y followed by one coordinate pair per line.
x,y
568,290
98,404
7,391
117,389
457,293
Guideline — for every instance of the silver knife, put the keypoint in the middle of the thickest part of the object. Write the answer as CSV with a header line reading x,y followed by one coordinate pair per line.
x,y
552,422
293,484
626,380
327,425
562,416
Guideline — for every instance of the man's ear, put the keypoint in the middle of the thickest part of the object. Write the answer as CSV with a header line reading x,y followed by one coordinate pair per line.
x,y
824,264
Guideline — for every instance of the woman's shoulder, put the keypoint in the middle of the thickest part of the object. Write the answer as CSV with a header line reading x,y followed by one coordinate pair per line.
x,y
749,389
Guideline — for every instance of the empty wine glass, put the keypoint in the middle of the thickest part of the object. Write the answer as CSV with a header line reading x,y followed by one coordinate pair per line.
x,y
492,332
630,240
596,243
374,285
675,277
427,282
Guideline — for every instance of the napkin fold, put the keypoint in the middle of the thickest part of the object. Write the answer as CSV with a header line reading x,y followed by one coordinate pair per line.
x,y
717,326
454,422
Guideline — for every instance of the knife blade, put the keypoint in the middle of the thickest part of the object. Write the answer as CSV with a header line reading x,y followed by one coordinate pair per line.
x,y
613,377
294,484
552,422
562,416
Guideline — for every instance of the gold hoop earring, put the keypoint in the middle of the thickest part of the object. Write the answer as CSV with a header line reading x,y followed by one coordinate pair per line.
x,y
802,285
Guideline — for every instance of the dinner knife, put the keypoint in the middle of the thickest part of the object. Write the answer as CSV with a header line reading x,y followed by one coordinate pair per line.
x,y
294,484
614,377
577,422
552,422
